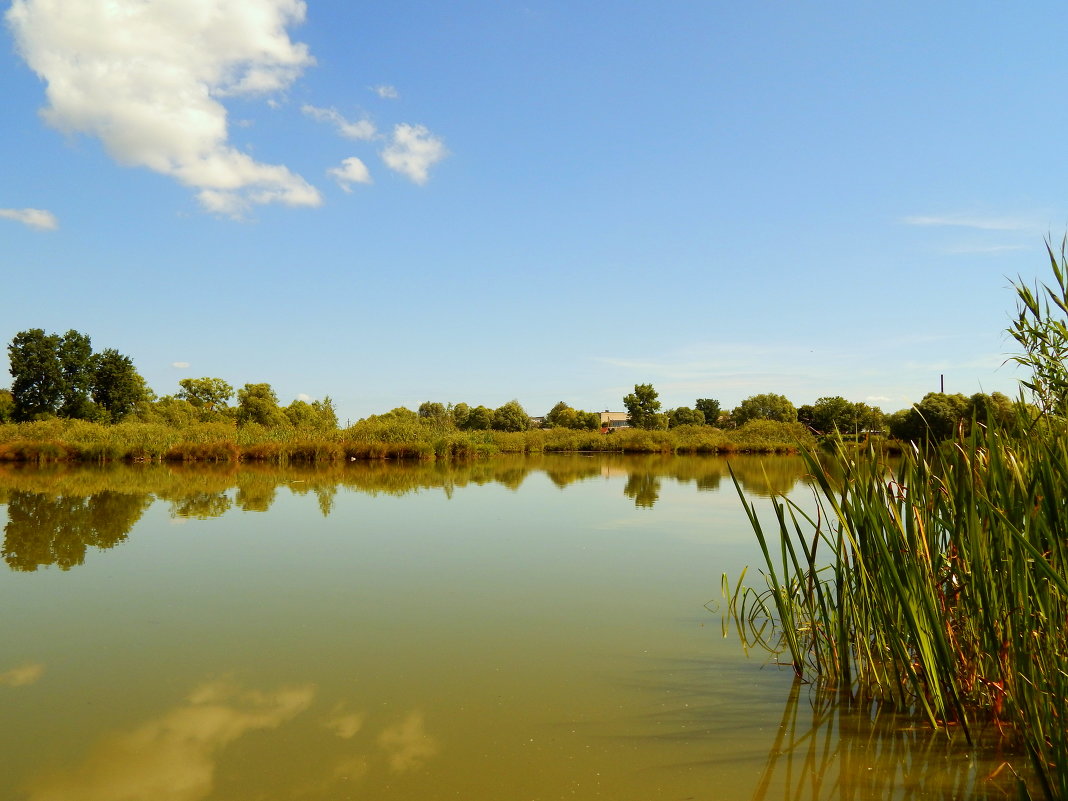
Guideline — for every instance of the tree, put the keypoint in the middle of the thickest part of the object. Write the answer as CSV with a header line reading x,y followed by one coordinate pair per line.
x,y
76,361
38,385
319,415
257,403
642,406
478,419
937,417
709,407
206,393
685,416
116,386
764,407
433,411
327,412
511,417
561,416
460,413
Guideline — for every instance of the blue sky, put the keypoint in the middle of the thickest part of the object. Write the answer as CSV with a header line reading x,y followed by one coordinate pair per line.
x,y
479,201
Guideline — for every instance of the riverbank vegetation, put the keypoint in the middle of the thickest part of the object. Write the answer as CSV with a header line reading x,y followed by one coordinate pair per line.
x,y
392,436
939,584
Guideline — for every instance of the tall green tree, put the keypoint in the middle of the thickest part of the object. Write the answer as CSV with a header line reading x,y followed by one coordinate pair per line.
x,y
511,417
709,407
257,403
117,388
37,375
642,406
76,362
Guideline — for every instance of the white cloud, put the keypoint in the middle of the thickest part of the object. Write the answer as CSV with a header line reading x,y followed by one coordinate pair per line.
x,y
386,91
412,151
146,78
980,223
35,218
351,171
362,130
180,365
303,396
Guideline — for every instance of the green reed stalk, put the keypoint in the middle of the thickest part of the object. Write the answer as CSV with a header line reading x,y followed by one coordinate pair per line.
x,y
940,587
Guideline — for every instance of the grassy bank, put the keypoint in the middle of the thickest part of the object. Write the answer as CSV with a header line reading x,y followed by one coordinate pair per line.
x,y
80,441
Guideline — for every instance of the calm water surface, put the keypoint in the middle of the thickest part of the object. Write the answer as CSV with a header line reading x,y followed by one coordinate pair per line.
x,y
513,629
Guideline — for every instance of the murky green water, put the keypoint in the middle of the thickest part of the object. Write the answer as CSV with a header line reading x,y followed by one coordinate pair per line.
x,y
511,629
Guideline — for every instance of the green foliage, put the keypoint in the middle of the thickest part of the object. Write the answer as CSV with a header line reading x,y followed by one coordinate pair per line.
x,y
939,586
478,419
38,383
437,412
257,403
117,387
511,417
764,407
685,416
206,393
7,406
563,416
836,414
77,364
1041,329
709,407
62,376
642,407
939,417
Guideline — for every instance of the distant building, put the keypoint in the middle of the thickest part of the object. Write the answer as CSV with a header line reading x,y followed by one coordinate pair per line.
x,y
614,419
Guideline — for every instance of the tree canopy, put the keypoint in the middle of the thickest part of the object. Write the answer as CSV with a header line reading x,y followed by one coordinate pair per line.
x,y
642,406
768,406
60,376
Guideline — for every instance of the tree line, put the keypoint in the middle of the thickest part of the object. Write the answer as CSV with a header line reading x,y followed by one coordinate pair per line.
x,y
61,376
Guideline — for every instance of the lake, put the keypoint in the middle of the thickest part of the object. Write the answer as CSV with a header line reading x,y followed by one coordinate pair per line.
x,y
513,628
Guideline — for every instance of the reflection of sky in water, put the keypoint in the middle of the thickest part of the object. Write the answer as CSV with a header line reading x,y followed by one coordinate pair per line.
x,y
428,634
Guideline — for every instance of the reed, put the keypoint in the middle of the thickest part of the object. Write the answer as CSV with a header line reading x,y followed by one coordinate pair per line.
x,y
938,587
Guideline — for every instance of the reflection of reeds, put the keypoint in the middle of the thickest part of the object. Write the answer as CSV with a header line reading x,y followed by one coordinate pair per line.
x,y
839,748
939,587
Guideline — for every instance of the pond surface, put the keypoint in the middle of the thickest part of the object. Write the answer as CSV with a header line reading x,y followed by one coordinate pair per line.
x,y
526,629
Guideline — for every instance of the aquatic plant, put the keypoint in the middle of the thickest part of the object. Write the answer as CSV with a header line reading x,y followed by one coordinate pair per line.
x,y
938,585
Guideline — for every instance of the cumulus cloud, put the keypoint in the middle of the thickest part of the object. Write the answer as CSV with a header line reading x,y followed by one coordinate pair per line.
x,y
385,91
147,78
351,171
363,130
180,365
35,218
412,151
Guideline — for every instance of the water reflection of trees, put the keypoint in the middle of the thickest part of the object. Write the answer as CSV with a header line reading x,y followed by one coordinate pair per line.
x,y
55,513
56,530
